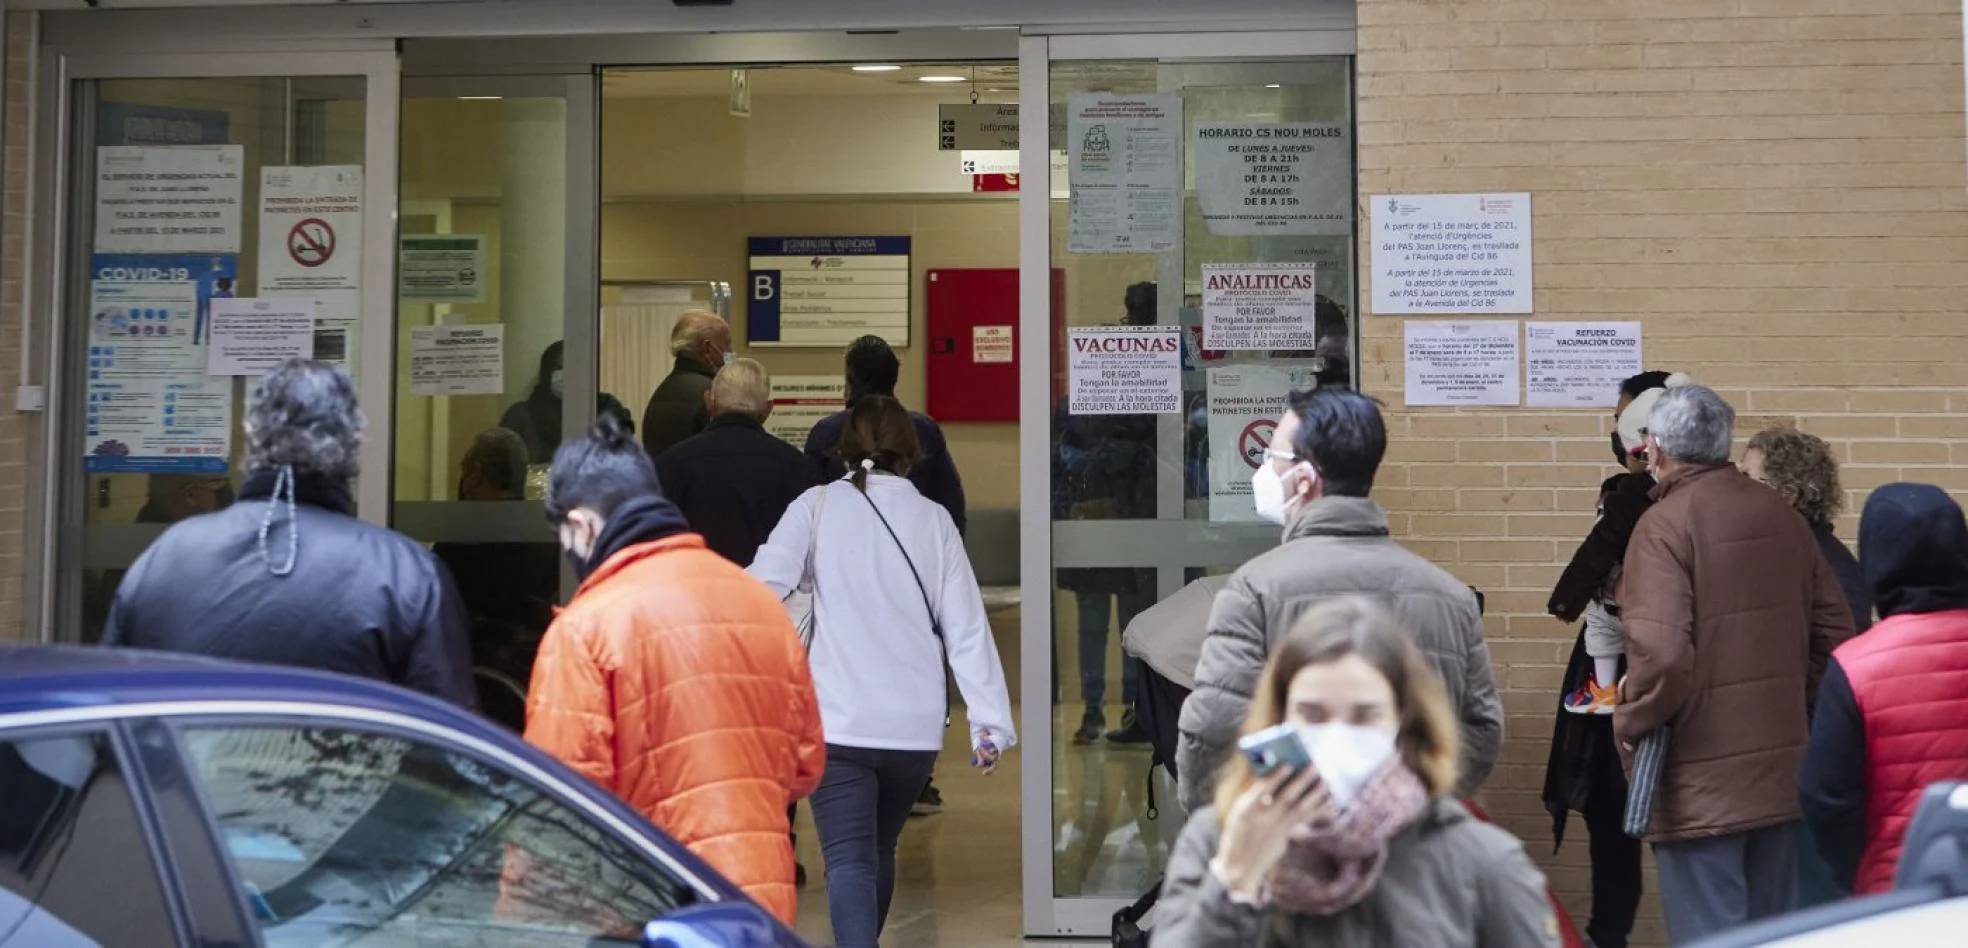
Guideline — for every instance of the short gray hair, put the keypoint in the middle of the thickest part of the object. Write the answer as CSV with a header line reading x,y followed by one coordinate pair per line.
x,y
1693,425
304,415
743,387
694,328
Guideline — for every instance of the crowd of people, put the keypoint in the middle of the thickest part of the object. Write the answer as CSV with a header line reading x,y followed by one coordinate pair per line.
x,y
1745,695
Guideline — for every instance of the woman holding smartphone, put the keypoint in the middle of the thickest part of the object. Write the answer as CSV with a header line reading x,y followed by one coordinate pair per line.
x,y
1364,837
893,599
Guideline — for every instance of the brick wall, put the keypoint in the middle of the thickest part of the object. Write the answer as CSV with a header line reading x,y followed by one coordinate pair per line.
x,y
1774,188
13,217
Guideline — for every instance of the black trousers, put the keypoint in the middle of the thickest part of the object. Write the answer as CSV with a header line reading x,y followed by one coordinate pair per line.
x,y
1617,874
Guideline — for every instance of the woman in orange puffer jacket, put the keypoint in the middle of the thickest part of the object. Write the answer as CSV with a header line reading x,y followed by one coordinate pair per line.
x,y
673,679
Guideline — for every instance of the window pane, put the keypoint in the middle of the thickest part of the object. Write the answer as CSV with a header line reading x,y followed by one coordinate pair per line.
x,y
1174,171
153,439
368,840
70,843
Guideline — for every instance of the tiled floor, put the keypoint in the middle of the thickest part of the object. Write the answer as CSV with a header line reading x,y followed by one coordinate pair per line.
x,y
960,878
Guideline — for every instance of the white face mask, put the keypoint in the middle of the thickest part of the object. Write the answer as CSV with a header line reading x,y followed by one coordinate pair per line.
x,y
730,357
1268,493
556,382
1346,756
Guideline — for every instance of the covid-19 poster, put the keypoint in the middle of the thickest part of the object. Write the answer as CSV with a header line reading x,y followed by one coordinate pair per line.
x,y
151,406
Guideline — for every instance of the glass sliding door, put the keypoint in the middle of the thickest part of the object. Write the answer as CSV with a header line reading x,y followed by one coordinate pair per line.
x,y
1194,168
187,185
497,269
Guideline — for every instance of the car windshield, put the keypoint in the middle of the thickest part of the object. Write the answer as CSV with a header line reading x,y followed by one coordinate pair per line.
x,y
353,839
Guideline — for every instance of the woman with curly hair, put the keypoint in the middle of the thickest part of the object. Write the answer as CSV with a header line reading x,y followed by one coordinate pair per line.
x,y
1800,467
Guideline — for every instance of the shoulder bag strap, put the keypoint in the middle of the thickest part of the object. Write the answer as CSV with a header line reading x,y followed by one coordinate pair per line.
x,y
935,624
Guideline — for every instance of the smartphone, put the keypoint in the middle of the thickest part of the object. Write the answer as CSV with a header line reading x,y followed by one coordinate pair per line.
x,y
1274,748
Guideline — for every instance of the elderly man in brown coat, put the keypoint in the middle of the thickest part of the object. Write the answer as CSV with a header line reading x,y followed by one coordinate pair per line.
x,y
1731,614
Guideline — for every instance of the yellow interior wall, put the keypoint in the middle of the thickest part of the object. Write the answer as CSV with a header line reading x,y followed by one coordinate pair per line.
x,y
706,241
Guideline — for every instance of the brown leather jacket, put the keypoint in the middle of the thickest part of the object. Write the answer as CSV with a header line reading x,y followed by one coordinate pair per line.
x,y
1731,613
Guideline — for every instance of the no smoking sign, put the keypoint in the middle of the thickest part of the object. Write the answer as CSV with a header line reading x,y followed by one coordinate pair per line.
x,y
312,242
1255,440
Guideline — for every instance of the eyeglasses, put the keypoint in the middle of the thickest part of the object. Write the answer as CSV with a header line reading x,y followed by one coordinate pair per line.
x,y
1273,454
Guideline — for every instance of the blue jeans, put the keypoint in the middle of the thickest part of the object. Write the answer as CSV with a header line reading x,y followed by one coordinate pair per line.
x,y
1095,611
860,808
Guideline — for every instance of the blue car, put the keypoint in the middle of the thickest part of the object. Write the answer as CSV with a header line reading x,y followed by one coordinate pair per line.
x,y
150,800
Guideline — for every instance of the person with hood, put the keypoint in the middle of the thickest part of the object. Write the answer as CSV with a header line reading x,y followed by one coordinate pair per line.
x,y
677,411
672,679
894,601
537,420
1365,846
1313,481
1730,614
1892,714
288,575
1583,772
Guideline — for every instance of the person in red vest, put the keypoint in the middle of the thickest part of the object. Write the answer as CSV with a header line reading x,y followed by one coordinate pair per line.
x,y
1892,713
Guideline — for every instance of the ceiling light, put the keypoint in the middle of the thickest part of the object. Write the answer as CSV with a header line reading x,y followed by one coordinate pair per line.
x,y
480,98
941,79
876,67
1271,85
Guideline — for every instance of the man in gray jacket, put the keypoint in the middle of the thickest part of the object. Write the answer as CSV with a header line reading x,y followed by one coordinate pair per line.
x,y
1314,480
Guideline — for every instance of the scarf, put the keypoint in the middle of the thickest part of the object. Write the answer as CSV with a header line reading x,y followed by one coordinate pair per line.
x,y
642,520
1331,864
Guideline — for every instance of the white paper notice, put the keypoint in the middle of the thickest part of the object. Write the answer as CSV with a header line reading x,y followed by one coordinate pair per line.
x,y
1124,370
990,344
1472,363
168,199
799,402
1245,403
253,336
1259,180
1579,365
1124,170
1260,306
441,268
458,360
1451,253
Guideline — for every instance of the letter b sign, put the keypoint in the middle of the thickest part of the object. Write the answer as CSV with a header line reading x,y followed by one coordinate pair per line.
x,y
764,287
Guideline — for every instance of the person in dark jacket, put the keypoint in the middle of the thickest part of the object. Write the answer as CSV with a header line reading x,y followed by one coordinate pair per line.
x,y
701,342
288,575
1583,775
1892,713
1801,468
509,588
537,419
873,369
735,481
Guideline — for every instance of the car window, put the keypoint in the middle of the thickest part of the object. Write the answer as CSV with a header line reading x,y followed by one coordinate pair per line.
x,y
343,837
74,861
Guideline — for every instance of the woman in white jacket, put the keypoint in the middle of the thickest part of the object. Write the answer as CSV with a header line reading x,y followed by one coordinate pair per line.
x,y
893,598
